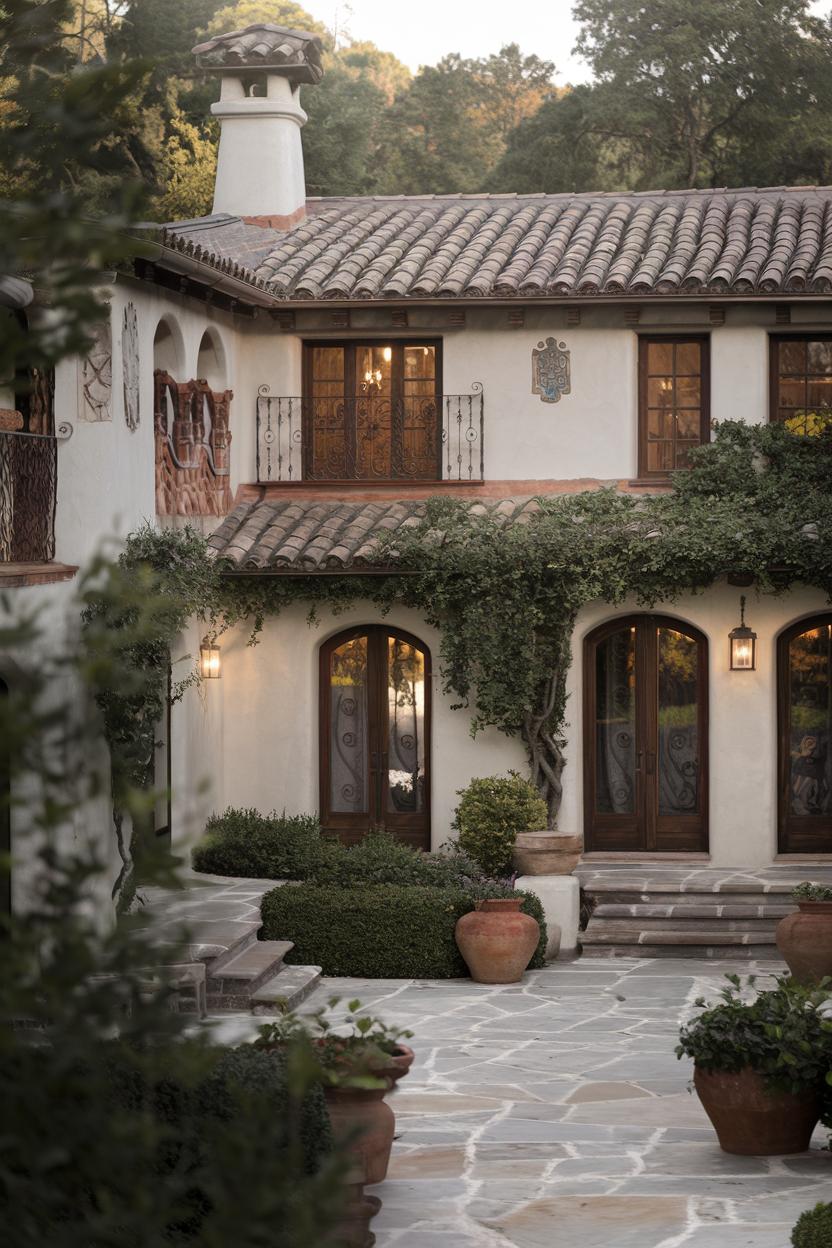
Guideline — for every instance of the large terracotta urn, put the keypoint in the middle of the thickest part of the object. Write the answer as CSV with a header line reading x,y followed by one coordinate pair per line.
x,y
546,853
497,940
805,941
363,1121
753,1119
353,1230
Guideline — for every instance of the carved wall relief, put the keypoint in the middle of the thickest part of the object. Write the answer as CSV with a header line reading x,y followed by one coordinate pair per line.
x,y
193,444
551,370
96,378
130,366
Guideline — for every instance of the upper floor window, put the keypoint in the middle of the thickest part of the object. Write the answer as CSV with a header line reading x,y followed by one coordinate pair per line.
x,y
371,411
674,394
801,381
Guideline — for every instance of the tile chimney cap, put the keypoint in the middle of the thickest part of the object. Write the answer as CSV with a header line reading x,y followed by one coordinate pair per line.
x,y
294,54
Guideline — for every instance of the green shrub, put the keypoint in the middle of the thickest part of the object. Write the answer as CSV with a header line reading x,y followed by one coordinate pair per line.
x,y
272,847
813,1228
492,811
381,931
812,892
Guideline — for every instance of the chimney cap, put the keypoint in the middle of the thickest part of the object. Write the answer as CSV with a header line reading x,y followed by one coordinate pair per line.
x,y
294,54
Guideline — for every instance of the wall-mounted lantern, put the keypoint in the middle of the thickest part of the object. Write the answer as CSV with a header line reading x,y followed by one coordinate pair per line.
x,y
743,644
209,660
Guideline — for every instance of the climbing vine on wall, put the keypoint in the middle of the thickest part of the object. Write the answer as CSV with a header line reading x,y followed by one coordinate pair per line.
x,y
756,503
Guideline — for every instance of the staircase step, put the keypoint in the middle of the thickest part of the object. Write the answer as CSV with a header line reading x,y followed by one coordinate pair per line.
x,y
715,952
610,933
694,910
286,990
678,923
666,896
235,983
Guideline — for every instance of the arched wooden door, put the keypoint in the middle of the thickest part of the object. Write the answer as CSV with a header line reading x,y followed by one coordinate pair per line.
x,y
646,736
375,735
804,656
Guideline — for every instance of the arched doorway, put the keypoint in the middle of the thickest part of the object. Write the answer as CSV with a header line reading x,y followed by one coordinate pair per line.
x,y
374,730
804,654
646,736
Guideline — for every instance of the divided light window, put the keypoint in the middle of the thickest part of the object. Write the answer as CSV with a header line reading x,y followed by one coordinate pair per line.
x,y
372,411
801,381
673,401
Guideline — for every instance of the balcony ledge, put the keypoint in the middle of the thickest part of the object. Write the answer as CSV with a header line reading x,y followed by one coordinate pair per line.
x,y
17,575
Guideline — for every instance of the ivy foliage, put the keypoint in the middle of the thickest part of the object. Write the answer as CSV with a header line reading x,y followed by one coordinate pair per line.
x,y
756,503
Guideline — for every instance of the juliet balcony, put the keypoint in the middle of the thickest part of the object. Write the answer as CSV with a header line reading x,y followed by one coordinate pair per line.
x,y
370,438
28,494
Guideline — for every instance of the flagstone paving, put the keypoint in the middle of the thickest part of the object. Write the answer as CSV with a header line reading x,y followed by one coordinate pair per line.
x,y
556,1115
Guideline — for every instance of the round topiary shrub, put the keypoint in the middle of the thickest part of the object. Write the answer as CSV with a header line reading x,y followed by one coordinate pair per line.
x,y
813,1228
491,813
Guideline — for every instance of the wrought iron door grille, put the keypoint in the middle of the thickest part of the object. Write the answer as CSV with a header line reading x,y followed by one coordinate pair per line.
x,y
370,437
28,489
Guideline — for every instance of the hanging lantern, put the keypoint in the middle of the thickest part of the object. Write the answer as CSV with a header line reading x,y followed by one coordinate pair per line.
x,y
743,645
209,660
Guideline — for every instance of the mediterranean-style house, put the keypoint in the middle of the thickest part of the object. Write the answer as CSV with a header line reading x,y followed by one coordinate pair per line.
x,y
295,375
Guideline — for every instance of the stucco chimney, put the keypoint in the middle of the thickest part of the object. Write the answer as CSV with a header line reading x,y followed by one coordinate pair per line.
x,y
260,159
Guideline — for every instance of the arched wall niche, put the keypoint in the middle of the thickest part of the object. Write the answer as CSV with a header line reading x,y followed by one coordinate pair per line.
x,y
210,361
169,347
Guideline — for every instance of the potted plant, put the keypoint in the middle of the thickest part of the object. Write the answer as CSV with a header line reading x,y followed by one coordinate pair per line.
x,y
761,1066
805,937
357,1068
492,811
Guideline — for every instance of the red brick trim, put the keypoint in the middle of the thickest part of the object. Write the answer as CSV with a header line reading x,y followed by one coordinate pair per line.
x,y
16,575
366,491
284,222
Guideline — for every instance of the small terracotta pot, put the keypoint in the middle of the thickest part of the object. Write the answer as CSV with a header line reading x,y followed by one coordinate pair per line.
x,y
546,853
399,1064
497,941
805,941
365,1123
752,1119
353,1230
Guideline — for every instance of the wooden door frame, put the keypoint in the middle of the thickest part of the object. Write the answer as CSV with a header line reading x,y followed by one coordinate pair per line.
x,y
821,619
414,829
646,817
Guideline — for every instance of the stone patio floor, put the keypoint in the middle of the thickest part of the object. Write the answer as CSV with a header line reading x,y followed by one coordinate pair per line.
x,y
554,1114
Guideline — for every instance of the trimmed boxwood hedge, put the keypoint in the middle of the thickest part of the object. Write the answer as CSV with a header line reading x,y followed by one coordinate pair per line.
x,y
265,847
813,1228
381,931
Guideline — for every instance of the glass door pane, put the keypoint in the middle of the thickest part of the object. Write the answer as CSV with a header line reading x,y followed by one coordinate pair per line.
x,y
810,723
373,411
406,727
327,422
348,703
678,723
615,723
419,433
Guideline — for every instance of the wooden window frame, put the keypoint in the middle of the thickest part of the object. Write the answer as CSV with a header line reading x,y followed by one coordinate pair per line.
x,y
795,834
350,346
774,341
644,341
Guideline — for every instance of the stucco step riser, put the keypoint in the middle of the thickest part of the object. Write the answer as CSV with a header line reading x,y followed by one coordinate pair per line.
x,y
715,953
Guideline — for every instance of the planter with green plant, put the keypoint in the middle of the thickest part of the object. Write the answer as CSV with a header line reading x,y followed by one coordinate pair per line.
x,y
813,1228
761,1067
357,1068
492,810
805,937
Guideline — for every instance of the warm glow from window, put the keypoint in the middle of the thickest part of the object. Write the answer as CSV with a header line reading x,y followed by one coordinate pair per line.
x,y
388,354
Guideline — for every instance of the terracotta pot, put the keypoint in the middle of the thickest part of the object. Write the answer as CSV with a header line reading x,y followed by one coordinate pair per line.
x,y
805,941
353,1230
497,940
363,1121
546,853
752,1119
400,1063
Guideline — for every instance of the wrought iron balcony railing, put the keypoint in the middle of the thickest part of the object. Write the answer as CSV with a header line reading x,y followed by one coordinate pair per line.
x,y
370,437
28,493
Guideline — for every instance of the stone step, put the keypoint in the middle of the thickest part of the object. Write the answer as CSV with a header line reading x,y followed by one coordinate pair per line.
x,y
623,933
677,922
714,953
622,895
235,983
693,911
286,990
217,944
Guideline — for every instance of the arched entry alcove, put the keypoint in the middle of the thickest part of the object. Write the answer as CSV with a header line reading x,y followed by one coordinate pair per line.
x,y
168,348
375,720
646,736
804,663
210,361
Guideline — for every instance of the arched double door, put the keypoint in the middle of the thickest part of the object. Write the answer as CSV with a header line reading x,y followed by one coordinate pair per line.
x,y
805,720
375,708
646,736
